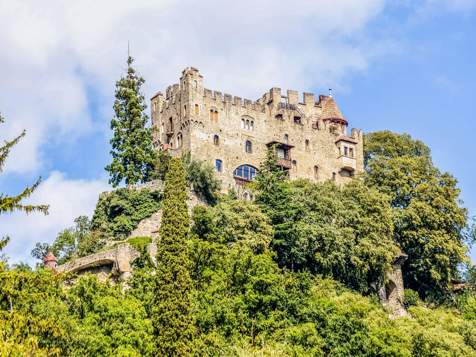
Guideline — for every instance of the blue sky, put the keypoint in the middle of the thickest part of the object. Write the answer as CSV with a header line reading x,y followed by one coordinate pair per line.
x,y
401,65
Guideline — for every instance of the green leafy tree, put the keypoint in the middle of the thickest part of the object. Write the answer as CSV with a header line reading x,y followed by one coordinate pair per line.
x,y
68,244
172,302
13,203
430,225
133,154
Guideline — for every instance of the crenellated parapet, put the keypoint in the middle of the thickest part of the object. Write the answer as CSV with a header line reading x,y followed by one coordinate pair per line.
x,y
229,131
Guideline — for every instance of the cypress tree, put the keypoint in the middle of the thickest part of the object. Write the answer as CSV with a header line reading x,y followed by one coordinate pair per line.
x,y
172,305
133,154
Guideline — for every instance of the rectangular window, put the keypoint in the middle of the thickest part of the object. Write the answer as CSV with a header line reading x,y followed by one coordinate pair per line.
x,y
351,152
297,120
280,153
218,165
246,173
346,151
252,172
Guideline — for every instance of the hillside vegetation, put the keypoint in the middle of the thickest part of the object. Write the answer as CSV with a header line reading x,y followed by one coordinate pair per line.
x,y
291,274
294,273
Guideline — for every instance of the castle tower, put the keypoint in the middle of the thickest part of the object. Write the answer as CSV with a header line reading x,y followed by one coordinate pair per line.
x,y
49,261
233,134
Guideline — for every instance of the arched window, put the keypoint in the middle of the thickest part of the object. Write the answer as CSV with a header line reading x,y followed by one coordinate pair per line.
x,y
252,125
248,147
171,124
306,145
214,115
294,163
316,172
197,109
179,140
245,172
242,123
286,138
216,140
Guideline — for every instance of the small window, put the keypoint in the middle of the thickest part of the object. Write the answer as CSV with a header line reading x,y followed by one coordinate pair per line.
x,y
242,123
171,124
214,115
179,140
197,109
286,138
216,140
297,120
248,147
316,172
185,108
306,145
333,176
218,165
351,152
294,162
279,116
247,126
252,123
346,151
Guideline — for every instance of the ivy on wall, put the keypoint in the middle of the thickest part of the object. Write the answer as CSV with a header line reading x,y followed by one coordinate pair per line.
x,y
119,212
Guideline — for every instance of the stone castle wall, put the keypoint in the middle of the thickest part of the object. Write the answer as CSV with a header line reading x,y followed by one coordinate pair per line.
x,y
188,117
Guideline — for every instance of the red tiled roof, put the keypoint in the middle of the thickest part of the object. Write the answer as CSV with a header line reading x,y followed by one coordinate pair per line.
x,y
330,110
50,257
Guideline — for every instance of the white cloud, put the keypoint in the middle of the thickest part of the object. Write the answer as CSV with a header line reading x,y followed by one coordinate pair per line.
x,y
68,199
54,55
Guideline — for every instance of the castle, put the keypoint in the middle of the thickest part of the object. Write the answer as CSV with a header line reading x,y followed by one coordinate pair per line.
x,y
310,138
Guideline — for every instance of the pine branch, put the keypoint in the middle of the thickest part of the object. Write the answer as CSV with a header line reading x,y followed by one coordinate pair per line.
x,y
12,203
5,149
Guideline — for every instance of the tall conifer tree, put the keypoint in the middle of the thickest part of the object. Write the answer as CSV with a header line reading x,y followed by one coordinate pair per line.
x,y
172,307
133,154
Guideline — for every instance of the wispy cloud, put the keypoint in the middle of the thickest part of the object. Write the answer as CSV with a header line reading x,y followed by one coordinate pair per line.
x,y
67,198
53,55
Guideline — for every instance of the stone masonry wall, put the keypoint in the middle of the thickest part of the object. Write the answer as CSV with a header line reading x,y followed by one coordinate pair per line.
x,y
189,116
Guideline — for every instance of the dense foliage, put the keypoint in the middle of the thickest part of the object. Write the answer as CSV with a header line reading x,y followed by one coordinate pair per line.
x,y
342,232
430,225
172,297
292,274
119,212
199,174
133,154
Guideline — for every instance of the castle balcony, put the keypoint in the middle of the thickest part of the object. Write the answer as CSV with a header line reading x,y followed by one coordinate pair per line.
x,y
347,163
283,154
284,163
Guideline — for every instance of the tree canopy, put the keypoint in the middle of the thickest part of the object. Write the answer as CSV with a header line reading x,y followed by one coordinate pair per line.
x,y
430,225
